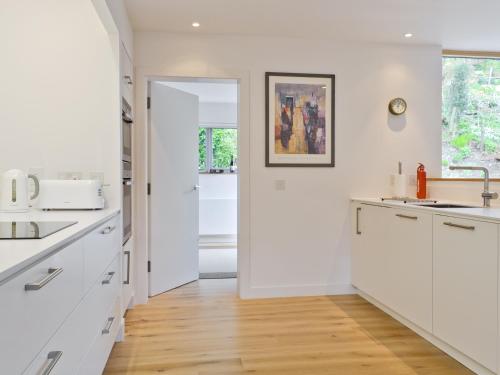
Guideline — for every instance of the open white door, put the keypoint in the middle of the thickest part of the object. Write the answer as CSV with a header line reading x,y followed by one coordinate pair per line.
x,y
173,203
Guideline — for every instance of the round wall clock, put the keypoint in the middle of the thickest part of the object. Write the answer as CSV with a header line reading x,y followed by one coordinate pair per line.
x,y
397,106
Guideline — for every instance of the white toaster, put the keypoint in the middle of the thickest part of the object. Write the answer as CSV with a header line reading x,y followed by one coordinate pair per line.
x,y
70,195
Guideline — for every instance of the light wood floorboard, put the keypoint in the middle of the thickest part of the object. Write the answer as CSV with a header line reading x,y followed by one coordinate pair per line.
x,y
203,328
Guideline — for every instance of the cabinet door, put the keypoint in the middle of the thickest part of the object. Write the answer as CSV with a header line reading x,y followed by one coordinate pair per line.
x,y
465,286
67,348
369,251
409,266
128,274
35,303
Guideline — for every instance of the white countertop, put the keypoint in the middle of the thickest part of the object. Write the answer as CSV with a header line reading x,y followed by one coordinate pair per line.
x,y
16,255
479,213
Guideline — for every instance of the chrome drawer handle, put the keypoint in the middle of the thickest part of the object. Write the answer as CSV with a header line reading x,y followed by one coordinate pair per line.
x,y
468,227
407,217
127,253
52,274
107,329
52,359
108,230
107,280
128,79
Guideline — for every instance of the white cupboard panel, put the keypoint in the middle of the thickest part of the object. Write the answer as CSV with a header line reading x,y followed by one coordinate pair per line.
x,y
101,246
28,318
95,361
409,266
465,287
370,249
73,340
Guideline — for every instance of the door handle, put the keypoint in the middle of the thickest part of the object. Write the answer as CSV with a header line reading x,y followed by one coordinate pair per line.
x,y
358,210
52,359
127,253
53,272
196,187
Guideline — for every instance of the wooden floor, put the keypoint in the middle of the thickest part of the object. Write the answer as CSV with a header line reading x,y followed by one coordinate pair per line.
x,y
204,329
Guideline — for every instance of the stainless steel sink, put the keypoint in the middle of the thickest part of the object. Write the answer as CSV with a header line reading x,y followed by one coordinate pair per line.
x,y
444,205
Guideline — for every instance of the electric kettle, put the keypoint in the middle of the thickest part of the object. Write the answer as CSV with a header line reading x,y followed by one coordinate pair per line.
x,y
14,191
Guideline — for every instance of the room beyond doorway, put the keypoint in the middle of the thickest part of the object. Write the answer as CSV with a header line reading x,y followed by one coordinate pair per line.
x,y
218,168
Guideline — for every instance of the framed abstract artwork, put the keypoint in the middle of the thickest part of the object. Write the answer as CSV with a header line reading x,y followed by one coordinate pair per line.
x,y
300,120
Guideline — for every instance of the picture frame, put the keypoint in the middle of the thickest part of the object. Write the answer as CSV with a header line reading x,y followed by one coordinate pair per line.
x,y
300,119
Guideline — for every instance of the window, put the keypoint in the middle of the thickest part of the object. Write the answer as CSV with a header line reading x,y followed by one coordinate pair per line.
x,y
471,115
218,148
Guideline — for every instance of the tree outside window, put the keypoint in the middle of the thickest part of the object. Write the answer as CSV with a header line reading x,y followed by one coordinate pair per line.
x,y
218,148
471,115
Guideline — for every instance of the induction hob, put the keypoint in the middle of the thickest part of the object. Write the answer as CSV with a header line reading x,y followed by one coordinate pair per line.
x,y
31,230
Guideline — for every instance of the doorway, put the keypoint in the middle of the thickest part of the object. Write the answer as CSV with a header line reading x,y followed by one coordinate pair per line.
x,y
193,219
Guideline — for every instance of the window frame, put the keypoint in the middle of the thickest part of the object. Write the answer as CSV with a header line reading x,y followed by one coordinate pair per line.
x,y
465,54
209,149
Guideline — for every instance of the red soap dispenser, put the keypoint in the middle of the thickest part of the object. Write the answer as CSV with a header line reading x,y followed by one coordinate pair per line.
x,y
421,182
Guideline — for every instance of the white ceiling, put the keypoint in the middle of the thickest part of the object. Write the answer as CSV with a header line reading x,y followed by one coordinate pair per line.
x,y
210,91
454,24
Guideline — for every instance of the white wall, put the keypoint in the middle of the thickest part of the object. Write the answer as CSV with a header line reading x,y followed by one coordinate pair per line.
x,y
300,238
59,91
218,204
218,114
120,16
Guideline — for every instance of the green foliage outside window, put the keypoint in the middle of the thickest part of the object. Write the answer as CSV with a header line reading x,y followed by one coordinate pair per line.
x,y
202,148
470,114
224,147
217,147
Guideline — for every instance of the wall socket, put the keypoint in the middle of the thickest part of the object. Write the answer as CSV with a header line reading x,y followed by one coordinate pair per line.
x,y
99,176
37,172
280,185
69,175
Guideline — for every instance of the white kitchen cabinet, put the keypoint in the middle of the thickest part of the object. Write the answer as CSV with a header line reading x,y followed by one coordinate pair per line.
x,y
392,259
128,274
465,287
370,249
95,360
127,75
101,246
54,310
409,266
67,348
35,303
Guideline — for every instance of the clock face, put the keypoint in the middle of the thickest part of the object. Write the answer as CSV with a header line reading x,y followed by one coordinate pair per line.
x,y
397,106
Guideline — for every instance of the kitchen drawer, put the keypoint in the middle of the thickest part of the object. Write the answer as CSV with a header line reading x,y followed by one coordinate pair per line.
x,y
101,246
74,339
95,360
29,318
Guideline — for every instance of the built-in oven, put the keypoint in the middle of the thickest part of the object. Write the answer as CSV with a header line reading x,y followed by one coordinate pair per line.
x,y
126,131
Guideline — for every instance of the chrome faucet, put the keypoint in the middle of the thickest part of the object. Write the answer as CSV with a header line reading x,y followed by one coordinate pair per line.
x,y
487,194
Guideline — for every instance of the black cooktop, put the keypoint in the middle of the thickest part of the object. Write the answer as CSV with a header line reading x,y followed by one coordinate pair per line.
x,y
27,230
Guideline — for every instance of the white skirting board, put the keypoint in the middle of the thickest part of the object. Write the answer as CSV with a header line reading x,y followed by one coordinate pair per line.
x,y
452,352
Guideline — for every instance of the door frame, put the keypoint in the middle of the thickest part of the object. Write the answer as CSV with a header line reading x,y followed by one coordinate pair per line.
x,y
144,75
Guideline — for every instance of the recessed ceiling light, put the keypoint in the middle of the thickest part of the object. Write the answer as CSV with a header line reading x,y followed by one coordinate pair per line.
x,y
195,24
408,35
